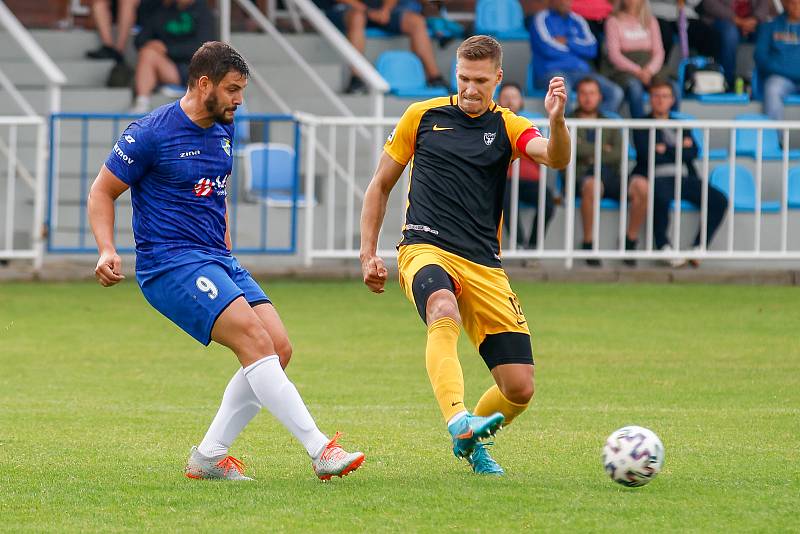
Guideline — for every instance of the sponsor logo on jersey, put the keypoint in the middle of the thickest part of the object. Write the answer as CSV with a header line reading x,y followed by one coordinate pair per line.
x,y
226,145
119,152
488,138
129,138
190,153
205,186
422,228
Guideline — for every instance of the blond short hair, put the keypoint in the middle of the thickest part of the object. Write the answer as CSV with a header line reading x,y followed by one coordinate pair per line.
x,y
480,47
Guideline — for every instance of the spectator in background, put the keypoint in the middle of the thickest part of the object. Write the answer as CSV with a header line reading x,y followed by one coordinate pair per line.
x,y
635,53
700,35
735,21
168,39
661,99
778,58
103,19
531,8
588,96
511,98
353,17
595,12
562,45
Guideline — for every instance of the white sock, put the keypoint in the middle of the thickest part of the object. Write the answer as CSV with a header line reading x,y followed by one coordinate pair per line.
x,y
239,405
278,395
457,417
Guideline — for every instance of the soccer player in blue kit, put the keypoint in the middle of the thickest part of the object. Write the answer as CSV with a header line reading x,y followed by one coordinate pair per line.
x,y
176,162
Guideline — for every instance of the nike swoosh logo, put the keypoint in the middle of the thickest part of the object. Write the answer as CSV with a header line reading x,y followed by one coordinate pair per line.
x,y
521,322
437,128
454,403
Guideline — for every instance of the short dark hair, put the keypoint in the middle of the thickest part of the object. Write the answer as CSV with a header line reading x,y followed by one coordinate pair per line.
x,y
215,59
584,81
658,83
480,47
515,85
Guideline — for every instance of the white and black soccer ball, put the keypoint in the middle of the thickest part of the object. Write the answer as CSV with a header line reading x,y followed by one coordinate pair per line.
x,y
633,456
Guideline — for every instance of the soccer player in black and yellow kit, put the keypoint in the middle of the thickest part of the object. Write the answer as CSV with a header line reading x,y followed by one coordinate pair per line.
x,y
460,148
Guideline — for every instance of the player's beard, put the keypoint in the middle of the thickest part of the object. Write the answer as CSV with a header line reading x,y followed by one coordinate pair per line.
x,y
217,111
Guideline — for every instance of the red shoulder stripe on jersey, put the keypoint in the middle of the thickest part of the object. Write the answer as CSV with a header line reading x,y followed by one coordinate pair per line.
x,y
527,135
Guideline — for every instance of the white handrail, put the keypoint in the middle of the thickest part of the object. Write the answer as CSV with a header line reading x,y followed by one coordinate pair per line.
x,y
55,76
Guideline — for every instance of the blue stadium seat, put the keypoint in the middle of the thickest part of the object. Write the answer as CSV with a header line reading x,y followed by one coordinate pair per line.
x,y
502,19
794,188
745,186
719,98
405,75
746,140
532,115
697,135
377,33
271,174
685,206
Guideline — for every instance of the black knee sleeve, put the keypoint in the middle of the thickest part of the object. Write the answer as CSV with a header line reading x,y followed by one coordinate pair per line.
x,y
428,280
506,347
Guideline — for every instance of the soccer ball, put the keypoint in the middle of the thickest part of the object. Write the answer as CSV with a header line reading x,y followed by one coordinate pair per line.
x,y
633,456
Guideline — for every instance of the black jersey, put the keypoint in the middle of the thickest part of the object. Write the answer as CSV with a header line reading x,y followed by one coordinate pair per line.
x,y
458,174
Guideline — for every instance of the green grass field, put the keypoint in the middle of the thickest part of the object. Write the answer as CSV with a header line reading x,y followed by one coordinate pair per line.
x,y
101,398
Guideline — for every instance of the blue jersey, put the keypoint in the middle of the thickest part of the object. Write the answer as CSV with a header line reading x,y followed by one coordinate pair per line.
x,y
177,173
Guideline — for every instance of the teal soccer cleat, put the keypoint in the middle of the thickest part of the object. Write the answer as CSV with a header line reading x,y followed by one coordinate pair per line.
x,y
467,431
482,463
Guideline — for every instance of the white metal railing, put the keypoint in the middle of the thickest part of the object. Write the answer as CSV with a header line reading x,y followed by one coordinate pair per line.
x,y
331,227
55,77
10,195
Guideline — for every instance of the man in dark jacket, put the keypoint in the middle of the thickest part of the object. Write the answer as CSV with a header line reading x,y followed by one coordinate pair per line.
x,y
169,37
661,99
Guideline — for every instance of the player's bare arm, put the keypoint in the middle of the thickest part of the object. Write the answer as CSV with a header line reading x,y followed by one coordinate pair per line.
x,y
372,266
104,192
555,151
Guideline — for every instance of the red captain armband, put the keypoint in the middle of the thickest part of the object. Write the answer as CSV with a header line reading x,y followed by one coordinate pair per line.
x,y
522,140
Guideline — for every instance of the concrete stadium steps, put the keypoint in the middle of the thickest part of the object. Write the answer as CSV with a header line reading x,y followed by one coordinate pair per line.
x,y
79,72
78,99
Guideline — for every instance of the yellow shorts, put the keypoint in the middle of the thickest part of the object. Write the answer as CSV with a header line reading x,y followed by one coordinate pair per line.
x,y
485,300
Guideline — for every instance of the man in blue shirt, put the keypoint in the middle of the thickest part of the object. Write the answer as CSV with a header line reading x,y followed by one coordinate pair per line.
x,y
176,162
778,57
562,45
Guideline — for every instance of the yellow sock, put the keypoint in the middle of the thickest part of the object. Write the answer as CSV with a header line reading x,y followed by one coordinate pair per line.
x,y
444,369
494,401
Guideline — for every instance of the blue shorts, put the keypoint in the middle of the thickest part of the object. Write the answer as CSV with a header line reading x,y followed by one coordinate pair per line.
x,y
193,288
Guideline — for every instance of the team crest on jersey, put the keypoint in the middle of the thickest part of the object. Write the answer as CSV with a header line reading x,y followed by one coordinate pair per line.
x,y
488,138
226,145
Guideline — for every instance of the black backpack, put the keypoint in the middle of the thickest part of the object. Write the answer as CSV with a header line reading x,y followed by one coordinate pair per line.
x,y
121,75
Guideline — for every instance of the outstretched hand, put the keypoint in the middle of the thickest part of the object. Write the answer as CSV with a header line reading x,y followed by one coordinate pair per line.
x,y
556,99
375,273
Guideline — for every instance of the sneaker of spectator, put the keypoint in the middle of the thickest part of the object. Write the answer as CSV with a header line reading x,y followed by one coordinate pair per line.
x,y
103,17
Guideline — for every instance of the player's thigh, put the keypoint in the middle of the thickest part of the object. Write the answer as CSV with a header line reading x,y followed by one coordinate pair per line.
x,y
192,295
427,275
493,318
240,329
269,317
